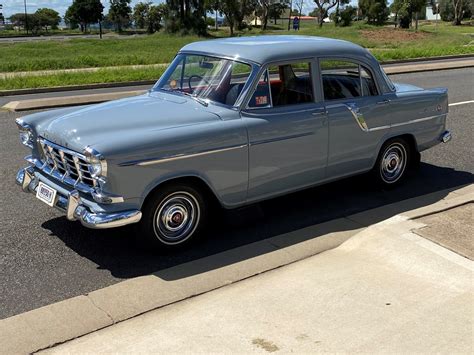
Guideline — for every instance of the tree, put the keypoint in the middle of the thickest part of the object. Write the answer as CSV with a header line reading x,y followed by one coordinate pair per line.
x,y
186,16
323,9
146,15
30,22
84,12
120,13
154,17
276,10
235,11
456,10
346,15
140,12
48,17
375,11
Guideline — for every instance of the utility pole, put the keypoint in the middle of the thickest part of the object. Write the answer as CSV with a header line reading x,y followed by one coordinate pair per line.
x,y
289,15
1,15
26,19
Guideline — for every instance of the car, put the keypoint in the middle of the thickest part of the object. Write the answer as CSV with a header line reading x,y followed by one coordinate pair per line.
x,y
236,121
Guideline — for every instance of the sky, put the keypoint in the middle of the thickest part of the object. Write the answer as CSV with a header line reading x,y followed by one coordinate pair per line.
x,y
11,7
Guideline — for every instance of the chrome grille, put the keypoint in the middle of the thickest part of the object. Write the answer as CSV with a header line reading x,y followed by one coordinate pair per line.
x,y
71,165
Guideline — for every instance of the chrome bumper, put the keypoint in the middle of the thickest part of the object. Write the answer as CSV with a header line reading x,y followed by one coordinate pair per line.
x,y
75,210
446,137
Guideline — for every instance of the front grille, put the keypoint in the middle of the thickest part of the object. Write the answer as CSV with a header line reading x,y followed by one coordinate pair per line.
x,y
69,164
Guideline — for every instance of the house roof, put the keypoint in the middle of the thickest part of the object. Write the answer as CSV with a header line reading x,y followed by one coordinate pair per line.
x,y
264,49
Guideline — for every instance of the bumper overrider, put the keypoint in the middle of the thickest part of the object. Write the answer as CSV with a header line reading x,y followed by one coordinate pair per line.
x,y
75,207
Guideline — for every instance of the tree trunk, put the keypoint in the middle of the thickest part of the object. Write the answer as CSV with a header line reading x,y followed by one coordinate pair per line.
x,y
396,19
457,12
181,10
216,20
416,21
321,18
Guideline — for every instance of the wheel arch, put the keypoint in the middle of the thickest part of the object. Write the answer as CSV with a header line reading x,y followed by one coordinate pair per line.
x,y
408,137
190,180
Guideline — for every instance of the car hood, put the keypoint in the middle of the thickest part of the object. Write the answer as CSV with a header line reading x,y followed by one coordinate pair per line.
x,y
88,126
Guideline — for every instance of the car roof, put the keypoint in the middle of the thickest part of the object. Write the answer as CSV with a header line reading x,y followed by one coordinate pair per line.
x,y
265,49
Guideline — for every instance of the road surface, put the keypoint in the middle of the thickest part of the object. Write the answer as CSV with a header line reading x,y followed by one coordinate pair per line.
x,y
45,259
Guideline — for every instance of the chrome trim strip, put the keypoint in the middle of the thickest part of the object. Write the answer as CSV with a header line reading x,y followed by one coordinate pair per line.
x,y
359,118
417,120
148,162
271,140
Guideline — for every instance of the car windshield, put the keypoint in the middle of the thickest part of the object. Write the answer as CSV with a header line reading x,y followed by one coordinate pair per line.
x,y
205,78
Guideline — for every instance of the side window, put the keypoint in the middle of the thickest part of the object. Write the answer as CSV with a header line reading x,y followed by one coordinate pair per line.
x,y
238,77
345,79
261,96
290,84
368,83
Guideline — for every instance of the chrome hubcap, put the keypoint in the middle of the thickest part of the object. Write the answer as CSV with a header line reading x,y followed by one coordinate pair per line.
x,y
393,163
176,218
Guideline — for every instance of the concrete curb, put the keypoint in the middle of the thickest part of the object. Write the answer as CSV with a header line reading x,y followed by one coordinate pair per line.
x,y
76,88
63,101
46,326
416,61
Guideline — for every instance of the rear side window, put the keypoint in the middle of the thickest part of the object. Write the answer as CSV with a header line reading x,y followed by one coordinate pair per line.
x,y
345,80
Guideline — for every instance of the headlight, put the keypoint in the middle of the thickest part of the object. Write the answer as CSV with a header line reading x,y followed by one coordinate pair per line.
x,y
26,135
97,164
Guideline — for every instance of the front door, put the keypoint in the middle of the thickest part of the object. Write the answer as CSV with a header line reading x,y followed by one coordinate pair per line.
x,y
287,130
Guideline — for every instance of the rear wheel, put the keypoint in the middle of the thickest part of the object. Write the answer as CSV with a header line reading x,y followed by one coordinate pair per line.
x,y
173,216
393,162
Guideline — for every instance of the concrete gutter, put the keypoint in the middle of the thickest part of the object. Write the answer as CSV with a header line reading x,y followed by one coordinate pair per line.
x,y
57,323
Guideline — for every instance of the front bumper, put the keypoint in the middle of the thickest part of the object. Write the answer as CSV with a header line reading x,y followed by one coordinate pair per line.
x,y
74,207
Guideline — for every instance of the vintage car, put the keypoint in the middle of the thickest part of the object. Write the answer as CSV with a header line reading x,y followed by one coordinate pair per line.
x,y
234,120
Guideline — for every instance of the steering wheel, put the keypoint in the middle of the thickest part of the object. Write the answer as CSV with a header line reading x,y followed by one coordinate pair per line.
x,y
196,76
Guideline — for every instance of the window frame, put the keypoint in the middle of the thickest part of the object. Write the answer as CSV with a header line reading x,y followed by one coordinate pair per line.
x,y
314,71
353,61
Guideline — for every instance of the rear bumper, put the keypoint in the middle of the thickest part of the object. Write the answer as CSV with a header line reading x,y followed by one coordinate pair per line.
x,y
74,207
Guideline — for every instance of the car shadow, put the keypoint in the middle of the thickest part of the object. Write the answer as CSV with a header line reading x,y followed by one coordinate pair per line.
x,y
119,251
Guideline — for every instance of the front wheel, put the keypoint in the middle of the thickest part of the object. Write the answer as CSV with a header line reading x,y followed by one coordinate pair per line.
x,y
173,216
392,163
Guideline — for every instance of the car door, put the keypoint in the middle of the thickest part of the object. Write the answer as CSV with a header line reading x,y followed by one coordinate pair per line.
x,y
287,130
357,115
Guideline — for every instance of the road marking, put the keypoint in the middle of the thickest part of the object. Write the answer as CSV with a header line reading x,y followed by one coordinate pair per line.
x,y
462,103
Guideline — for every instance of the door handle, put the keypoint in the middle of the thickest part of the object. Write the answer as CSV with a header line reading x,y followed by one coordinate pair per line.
x,y
319,113
383,102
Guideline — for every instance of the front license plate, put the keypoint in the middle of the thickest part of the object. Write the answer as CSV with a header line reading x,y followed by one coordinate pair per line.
x,y
46,194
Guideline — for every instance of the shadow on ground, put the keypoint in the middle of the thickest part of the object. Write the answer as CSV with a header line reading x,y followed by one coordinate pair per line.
x,y
119,250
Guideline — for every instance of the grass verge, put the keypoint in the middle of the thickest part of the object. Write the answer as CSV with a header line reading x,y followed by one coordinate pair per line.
x,y
386,43
69,79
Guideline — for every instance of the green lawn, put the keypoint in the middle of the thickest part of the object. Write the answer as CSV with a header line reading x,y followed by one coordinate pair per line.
x,y
385,43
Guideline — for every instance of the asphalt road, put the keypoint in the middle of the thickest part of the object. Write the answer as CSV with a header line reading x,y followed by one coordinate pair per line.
x,y
45,259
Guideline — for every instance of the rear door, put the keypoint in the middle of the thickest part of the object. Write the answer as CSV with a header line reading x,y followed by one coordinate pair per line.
x,y
358,115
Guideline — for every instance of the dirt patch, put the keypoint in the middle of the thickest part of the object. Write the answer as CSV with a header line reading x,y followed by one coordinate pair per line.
x,y
265,345
393,35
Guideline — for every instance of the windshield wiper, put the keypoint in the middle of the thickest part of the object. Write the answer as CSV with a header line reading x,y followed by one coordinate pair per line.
x,y
198,99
